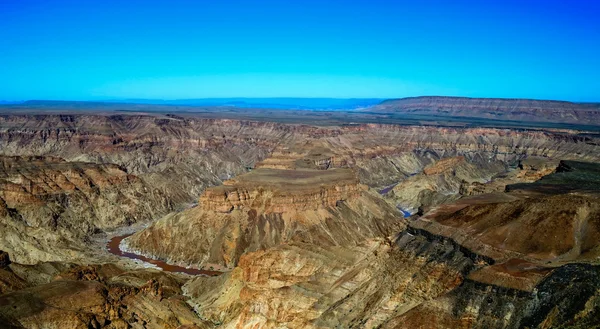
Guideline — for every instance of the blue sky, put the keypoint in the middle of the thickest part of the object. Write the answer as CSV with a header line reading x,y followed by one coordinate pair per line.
x,y
193,49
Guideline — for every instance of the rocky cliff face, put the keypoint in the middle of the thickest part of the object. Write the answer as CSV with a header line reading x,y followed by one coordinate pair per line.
x,y
305,286
528,110
442,181
50,207
278,191
565,298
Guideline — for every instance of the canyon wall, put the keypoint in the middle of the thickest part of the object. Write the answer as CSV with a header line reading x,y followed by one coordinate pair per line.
x,y
49,207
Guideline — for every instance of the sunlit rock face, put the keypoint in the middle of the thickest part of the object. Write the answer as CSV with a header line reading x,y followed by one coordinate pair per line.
x,y
278,191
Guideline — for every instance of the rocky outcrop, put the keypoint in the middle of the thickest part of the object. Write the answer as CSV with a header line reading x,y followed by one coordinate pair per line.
x,y
278,191
208,238
566,298
267,207
550,229
444,165
100,297
534,168
306,286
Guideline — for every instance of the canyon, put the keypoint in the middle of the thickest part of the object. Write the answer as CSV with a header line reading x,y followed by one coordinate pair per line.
x,y
297,225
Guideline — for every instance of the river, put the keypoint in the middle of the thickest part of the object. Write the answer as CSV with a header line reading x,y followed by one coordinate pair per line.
x,y
114,247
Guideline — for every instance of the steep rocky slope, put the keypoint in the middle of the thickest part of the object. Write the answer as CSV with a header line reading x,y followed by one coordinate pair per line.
x,y
441,182
263,209
528,110
305,286
49,207
565,298
451,178
101,296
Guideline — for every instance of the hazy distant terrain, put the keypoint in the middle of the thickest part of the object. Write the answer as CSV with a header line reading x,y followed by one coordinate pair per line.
x,y
436,111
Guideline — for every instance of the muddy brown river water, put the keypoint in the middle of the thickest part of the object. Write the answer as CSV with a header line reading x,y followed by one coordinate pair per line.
x,y
114,248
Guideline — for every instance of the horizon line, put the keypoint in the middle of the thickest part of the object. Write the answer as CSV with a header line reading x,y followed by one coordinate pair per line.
x,y
132,100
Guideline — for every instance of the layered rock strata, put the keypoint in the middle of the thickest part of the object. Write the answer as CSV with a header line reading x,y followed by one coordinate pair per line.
x,y
49,207
278,191
263,209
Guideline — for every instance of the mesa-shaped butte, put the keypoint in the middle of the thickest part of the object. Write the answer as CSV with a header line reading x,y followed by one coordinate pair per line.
x,y
278,190
266,208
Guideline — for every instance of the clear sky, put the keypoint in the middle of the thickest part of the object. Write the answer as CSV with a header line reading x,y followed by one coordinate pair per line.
x,y
329,48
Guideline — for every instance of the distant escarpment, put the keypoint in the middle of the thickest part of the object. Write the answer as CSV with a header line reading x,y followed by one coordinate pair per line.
x,y
496,109
385,154
182,156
